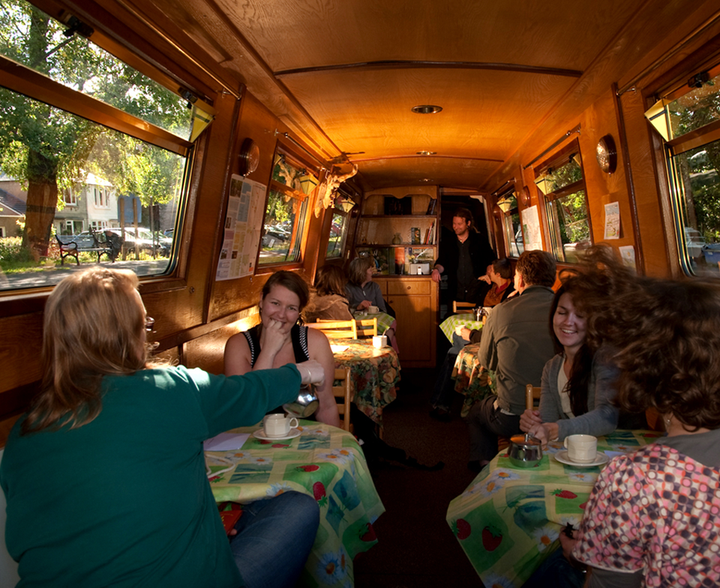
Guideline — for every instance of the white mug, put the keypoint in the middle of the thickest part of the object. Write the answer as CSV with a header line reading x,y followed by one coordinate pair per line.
x,y
581,448
379,341
278,425
373,309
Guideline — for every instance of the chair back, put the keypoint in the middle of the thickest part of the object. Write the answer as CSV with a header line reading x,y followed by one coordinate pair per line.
x,y
336,329
458,306
342,395
532,396
366,327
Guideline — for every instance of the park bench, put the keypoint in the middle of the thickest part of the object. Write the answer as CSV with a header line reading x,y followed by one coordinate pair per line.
x,y
99,243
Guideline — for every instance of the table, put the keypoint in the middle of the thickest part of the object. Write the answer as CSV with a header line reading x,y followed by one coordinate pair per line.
x,y
449,325
324,462
374,374
384,320
509,519
471,379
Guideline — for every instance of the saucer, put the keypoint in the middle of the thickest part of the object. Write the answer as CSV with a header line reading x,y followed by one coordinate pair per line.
x,y
600,459
260,434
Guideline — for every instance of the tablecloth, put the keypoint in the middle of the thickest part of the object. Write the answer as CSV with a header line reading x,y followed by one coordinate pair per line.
x,y
374,373
471,379
509,519
384,320
324,462
449,325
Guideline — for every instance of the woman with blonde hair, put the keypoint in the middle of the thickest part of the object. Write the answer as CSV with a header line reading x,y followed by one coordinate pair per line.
x,y
328,300
105,476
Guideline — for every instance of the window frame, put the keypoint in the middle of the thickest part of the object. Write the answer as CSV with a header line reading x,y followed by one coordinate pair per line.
x,y
343,235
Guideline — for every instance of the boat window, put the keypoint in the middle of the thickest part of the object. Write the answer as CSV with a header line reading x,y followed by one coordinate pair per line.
x,y
691,122
286,210
84,177
562,186
338,233
512,231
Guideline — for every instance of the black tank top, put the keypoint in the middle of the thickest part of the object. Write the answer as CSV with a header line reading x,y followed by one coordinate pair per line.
x,y
298,337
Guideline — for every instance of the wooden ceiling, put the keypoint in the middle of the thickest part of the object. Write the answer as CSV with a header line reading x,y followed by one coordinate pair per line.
x,y
344,74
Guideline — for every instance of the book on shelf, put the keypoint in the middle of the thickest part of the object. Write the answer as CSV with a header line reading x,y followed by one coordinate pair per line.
x,y
432,206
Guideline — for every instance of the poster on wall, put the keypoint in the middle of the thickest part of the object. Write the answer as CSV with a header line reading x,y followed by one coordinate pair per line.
x,y
531,228
612,221
243,228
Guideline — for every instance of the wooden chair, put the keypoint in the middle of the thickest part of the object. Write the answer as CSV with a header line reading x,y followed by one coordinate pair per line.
x,y
337,329
460,305
366,327
342,396
532,400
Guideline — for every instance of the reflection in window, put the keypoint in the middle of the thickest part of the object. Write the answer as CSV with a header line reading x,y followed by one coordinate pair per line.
x,y
512,232
338,231
694,164
562,184
286,211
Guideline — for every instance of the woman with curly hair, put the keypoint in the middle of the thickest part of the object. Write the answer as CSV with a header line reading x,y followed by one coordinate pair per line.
x,y
652,517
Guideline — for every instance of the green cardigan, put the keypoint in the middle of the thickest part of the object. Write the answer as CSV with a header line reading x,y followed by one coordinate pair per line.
x,y
124,500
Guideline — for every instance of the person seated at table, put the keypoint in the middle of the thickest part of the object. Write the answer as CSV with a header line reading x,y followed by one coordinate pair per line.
x,y
280,339
362,292
651,518
327,299
498,274
578,386
516,345
105,476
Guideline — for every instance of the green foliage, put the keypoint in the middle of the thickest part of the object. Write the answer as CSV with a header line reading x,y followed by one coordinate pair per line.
x,y
12,253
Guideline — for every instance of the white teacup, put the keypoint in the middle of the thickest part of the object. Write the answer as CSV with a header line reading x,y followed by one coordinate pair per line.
x,y
278,425
373,310
379,341
581,448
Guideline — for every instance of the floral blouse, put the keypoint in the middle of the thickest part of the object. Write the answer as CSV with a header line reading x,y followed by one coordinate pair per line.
x,y
655,510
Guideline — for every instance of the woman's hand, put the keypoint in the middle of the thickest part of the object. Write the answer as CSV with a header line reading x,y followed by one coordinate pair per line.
x,y
364,305
529,419
273,336
311,372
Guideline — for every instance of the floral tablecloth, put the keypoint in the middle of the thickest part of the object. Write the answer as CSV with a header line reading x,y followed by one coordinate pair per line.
x,y
375,374
324,462
449,325
509,519
471,379
384,321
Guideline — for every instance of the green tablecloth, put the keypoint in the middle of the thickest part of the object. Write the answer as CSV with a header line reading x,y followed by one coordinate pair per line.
x,y
324,462
449,325
509,519
384,321
374,373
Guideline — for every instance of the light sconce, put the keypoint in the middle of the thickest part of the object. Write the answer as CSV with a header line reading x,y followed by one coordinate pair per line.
x,y
345,205
507,203
545,183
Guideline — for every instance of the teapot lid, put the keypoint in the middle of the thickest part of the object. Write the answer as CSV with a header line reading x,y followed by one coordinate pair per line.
x,y
524,440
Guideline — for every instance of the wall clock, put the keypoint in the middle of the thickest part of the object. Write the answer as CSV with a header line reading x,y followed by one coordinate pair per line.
x,y
249,156
606,154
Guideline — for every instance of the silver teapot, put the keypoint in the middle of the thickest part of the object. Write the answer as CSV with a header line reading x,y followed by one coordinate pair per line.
x,y
305,405
525,451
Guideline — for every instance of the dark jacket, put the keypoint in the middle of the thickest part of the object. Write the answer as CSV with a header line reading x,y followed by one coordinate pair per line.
x,y
481,255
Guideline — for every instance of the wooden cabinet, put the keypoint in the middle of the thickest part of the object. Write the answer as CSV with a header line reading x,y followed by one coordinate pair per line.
x,y
414,300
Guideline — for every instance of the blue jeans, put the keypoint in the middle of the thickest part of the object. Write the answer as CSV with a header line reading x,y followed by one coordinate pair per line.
x,y
274,538
444,385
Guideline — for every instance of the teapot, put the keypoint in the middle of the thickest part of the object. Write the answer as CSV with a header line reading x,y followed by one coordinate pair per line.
x,y
525,451
305,405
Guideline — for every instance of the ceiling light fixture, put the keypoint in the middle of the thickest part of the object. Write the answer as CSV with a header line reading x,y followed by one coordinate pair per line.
x,y
426,109
427,153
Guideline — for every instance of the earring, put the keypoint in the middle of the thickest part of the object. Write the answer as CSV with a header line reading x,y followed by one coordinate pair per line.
x,y
667,420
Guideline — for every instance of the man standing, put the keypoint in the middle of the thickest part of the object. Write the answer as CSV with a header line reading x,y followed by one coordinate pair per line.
x,y
464,259
516,343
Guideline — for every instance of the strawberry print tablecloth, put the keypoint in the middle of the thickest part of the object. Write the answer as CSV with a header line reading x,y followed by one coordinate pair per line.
x,y
374,373
508,520
324,462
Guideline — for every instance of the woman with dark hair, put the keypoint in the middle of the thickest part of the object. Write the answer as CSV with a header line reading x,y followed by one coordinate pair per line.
x,y
578,387
328,300
652,517
105,477
280,339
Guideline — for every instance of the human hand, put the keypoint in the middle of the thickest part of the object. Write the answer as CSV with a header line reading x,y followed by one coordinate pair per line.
x,y
485,279
465,333
311,372
529,419
364,305
568,543
273,336
435,275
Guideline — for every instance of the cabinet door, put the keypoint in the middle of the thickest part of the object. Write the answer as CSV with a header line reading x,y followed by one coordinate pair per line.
x,y
415,329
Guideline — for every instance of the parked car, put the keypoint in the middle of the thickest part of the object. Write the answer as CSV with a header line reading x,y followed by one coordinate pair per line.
x,y
144,241
694,242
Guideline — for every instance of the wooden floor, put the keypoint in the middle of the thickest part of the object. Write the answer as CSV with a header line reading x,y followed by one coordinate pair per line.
x,y
416,547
